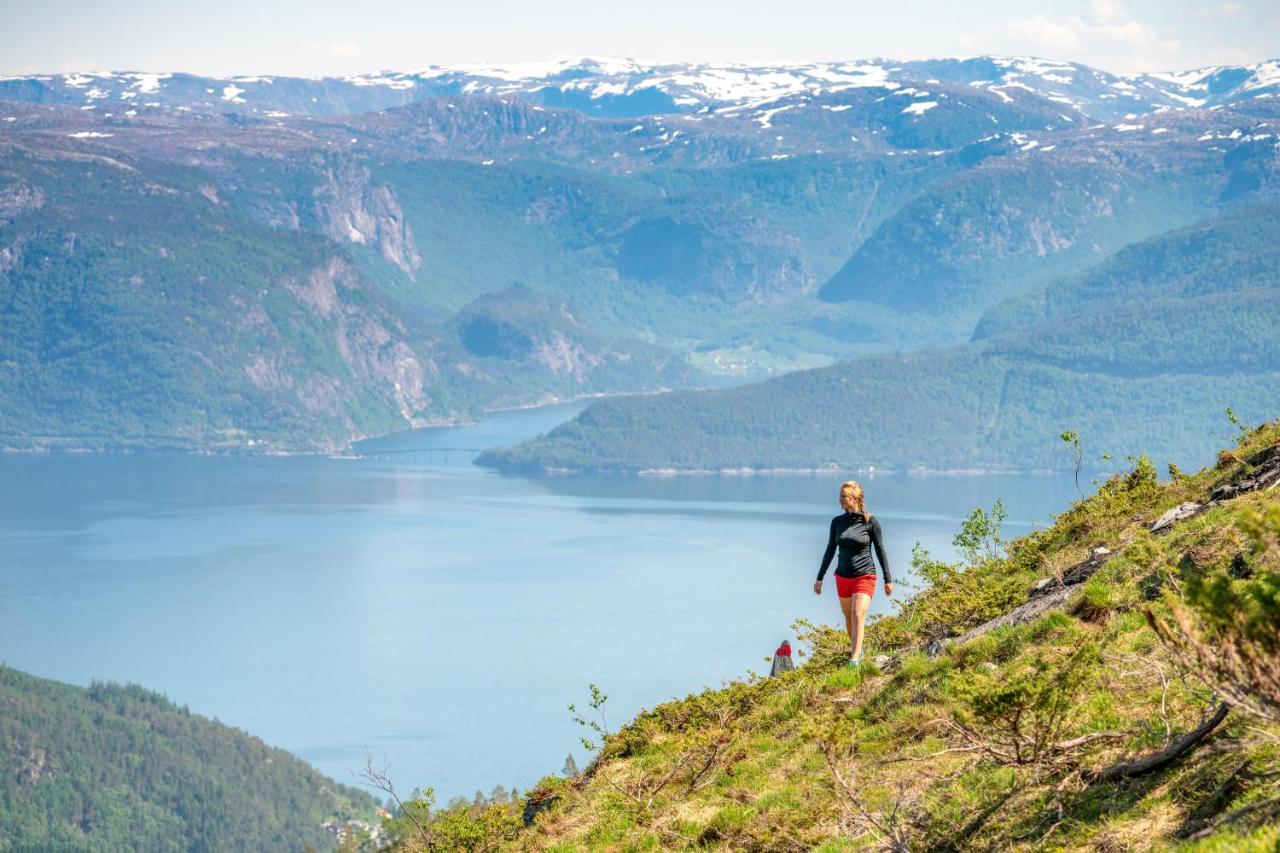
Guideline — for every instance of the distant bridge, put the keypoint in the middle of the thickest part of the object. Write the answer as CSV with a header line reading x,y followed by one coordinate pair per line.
x,y
415,453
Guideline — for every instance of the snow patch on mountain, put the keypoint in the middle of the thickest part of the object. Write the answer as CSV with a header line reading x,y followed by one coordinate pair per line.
x,y
920,108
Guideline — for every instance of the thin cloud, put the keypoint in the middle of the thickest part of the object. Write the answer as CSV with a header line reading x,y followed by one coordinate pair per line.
x,y
1109,30
345,51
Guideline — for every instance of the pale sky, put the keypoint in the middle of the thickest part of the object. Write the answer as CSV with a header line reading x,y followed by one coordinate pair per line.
x,y
336,37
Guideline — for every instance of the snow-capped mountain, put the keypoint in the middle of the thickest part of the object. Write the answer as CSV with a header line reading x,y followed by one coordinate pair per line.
x,y
624,88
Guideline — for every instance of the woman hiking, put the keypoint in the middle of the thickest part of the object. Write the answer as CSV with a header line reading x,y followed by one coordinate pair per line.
x,y
855,533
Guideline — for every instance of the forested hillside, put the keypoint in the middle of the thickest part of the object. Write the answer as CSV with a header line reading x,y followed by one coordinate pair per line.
x,y
139,309
117,767
282,265
1167,334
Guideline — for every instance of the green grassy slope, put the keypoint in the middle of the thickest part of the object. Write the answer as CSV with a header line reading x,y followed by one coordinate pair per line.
x,y
1058,730
121,768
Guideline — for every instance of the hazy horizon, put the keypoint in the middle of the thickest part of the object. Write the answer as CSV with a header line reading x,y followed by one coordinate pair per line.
x,y
326,39
532,64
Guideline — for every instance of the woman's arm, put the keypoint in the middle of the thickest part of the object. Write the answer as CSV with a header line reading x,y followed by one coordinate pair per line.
x,y
830,552
877,539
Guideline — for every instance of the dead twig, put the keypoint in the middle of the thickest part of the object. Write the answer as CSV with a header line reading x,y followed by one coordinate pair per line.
x,y
1085,740
888,831
379,779
928,757
1159,759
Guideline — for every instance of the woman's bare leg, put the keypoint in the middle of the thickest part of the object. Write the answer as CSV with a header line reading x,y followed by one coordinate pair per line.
x,y
861,604
846,607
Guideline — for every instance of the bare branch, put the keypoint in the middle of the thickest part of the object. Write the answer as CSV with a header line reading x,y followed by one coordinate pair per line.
x,y
379,779
1159,759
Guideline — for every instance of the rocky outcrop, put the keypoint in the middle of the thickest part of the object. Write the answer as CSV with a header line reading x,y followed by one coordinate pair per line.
x,y
351,208
1263,472
1181,512
373,347
1077,574
1020,615
19,198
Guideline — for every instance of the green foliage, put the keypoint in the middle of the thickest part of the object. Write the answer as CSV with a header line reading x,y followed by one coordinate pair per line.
x,y
1072,439
979,537
1021,715
956,598
479,824
598,725
992,741
1227,630
117,767
1241,429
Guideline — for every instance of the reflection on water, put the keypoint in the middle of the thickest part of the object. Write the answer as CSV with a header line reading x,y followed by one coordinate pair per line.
x,y
422,608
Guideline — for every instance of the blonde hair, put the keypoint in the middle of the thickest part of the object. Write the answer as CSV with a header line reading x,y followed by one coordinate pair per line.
x,y
851,493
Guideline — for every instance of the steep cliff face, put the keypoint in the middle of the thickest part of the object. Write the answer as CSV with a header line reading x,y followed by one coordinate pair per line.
x,y
373,347
179,321
351,208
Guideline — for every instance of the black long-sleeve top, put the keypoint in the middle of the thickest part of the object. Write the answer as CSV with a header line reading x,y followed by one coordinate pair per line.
x,y
855,535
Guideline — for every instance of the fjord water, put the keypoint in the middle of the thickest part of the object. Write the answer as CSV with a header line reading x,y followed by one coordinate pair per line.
x,y
435,614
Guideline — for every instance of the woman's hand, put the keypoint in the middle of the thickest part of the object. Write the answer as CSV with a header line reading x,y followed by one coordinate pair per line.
x,y
817,587
888,589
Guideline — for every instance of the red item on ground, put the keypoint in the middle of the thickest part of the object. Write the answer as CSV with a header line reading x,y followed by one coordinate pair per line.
x,y
846,587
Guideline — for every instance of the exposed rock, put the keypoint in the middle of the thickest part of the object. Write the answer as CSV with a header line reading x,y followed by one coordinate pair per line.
x,y
34,764
881,661
561,355
1077,574
1178,513
536,805
320,291
354,210
268,375
1263,473
19,199
1033,609
10,256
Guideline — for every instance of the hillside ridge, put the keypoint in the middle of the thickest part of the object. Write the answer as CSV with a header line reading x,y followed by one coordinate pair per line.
x,y
116,767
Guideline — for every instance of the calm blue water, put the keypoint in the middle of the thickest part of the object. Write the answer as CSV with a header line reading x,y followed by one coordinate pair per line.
x,y
423,609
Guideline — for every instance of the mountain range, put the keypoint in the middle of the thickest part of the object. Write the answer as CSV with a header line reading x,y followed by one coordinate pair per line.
x,y
622,88
288,264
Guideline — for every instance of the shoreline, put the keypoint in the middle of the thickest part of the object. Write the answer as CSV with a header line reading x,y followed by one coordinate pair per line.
x,y
263,448
869,472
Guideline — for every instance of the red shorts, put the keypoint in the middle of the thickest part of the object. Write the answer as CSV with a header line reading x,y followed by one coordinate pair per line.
x,y
846,587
